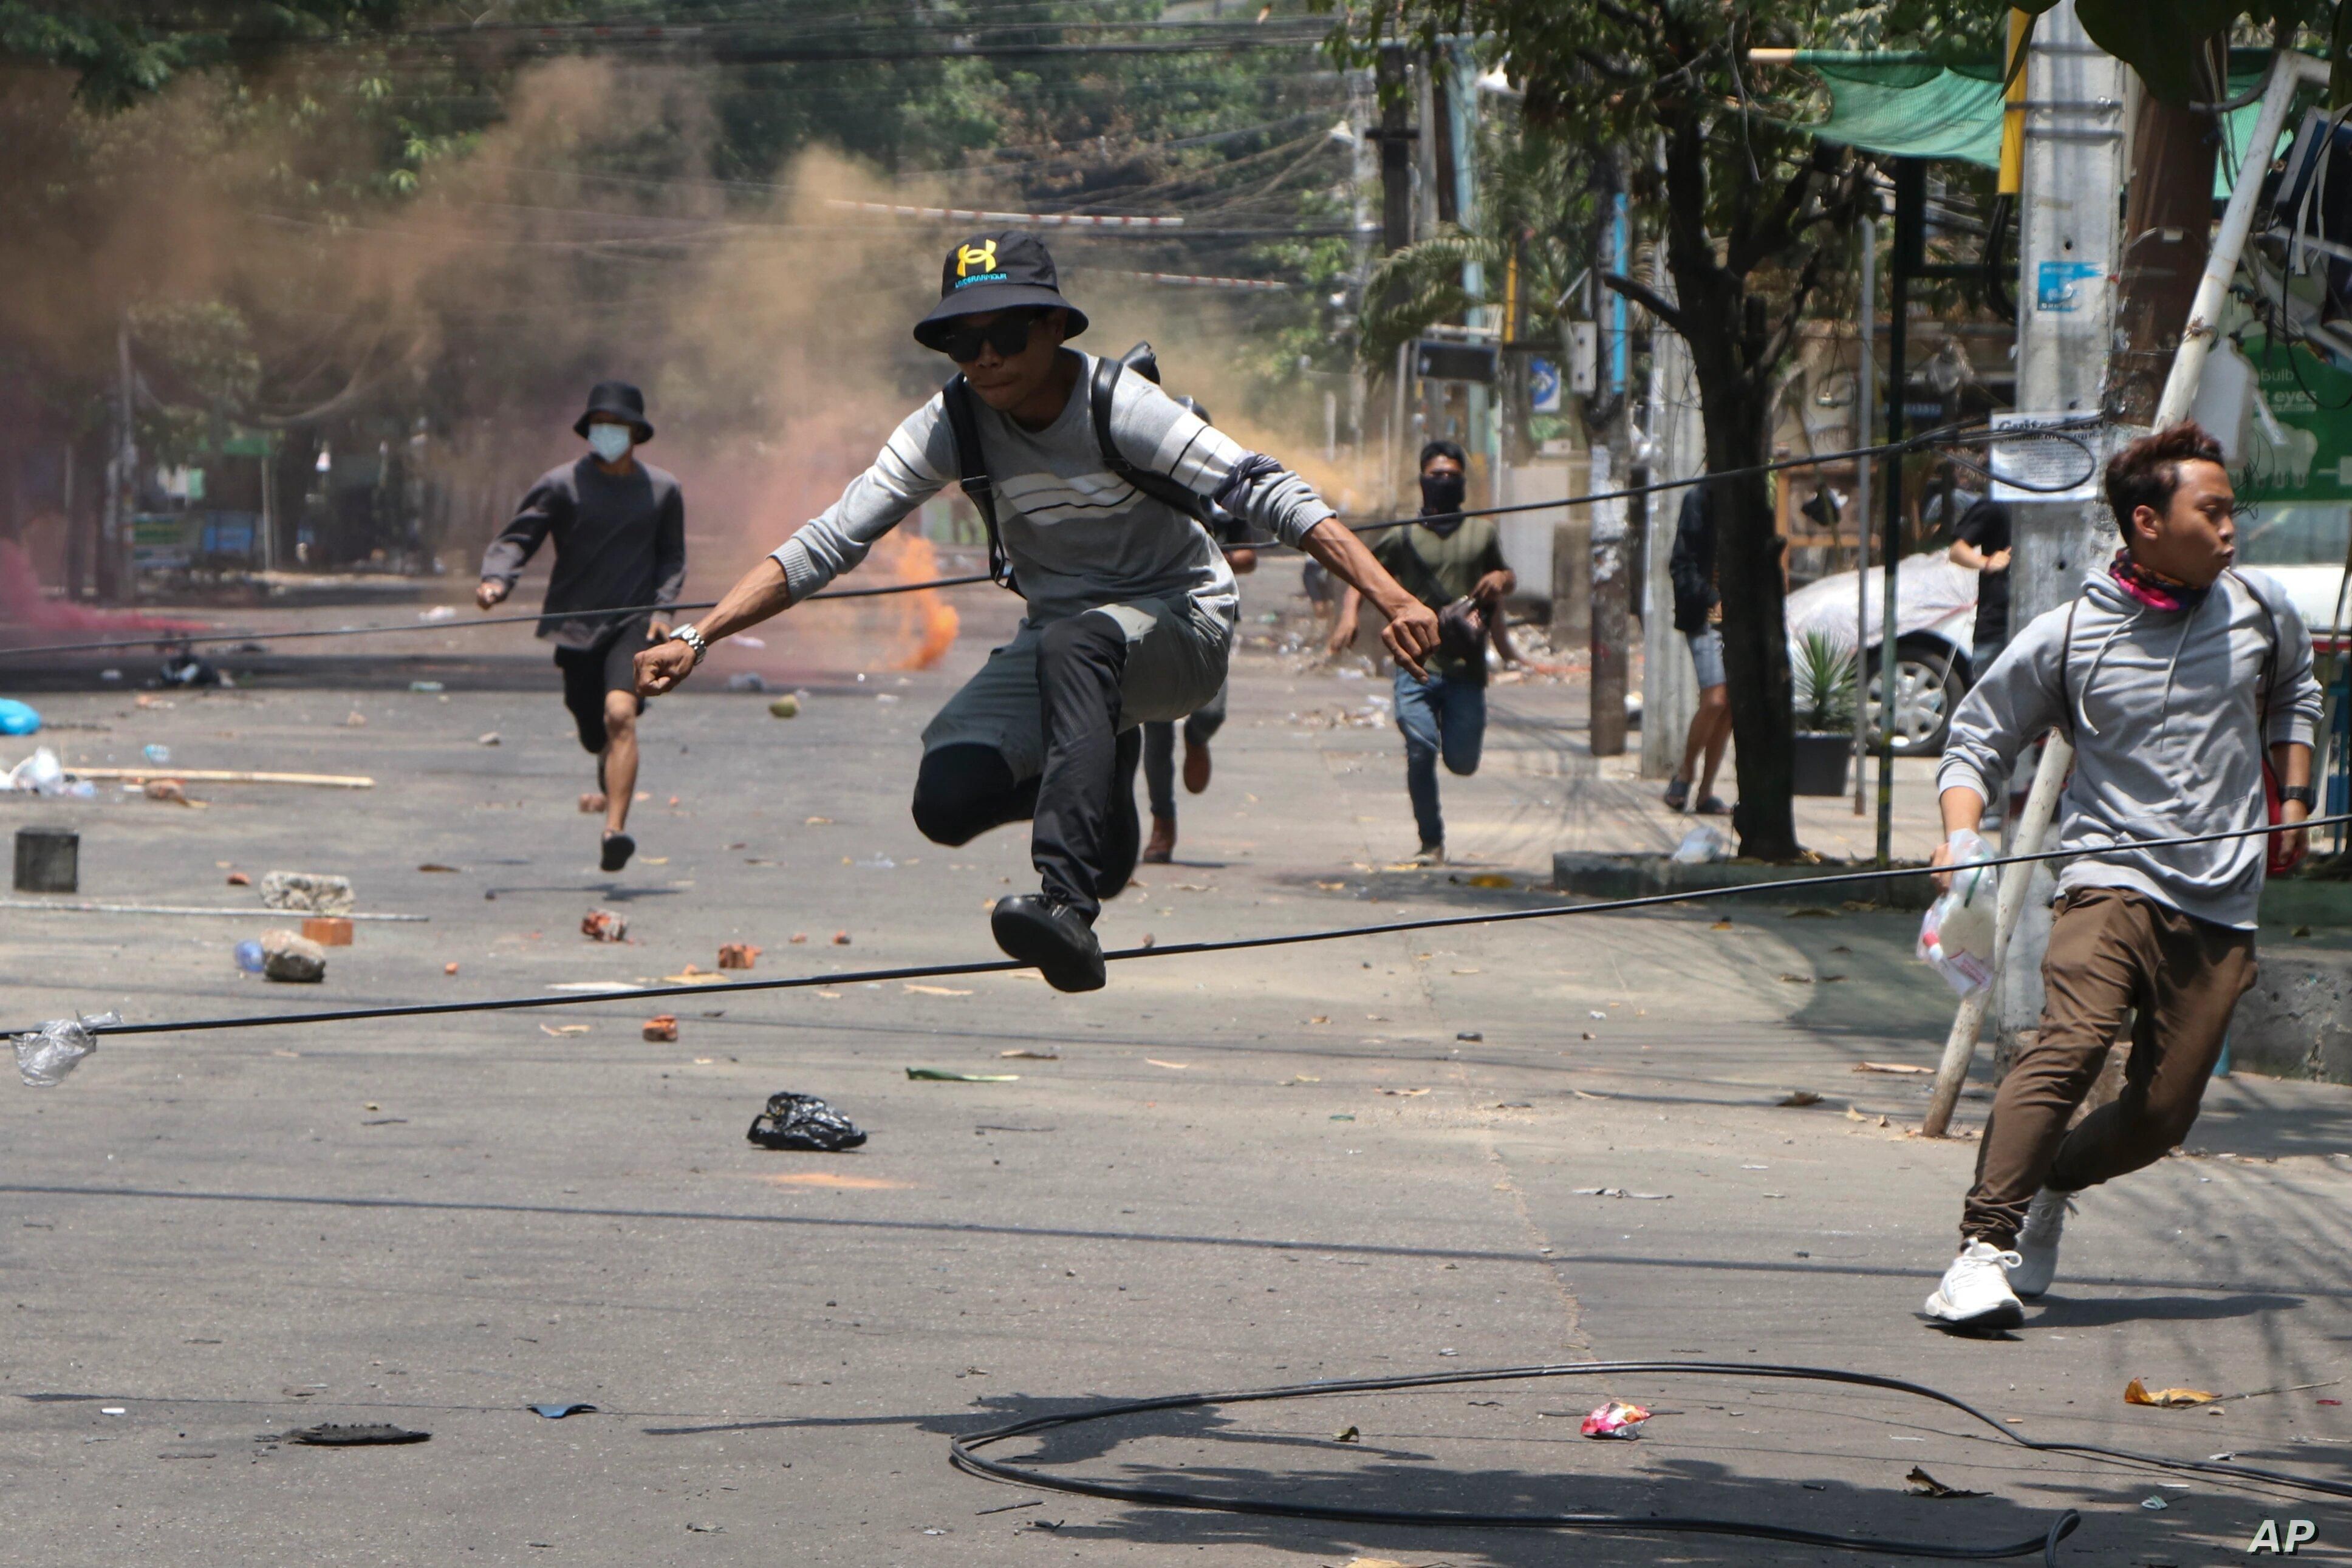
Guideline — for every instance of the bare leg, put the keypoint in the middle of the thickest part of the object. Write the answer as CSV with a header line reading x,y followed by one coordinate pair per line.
x,y
620,759
1715,708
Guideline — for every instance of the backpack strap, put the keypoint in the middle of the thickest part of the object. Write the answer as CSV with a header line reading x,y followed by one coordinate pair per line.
x,y
1159,486
972,466
2065,666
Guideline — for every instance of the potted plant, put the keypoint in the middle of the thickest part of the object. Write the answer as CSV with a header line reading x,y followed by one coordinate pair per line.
x,y
1827,681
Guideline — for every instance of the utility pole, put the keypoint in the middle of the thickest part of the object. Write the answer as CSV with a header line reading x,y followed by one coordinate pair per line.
x,y
1910,236
1866,383
122,492
1397,138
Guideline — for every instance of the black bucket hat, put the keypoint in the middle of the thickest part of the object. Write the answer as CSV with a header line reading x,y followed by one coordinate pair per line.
x,y
620,399
1003,271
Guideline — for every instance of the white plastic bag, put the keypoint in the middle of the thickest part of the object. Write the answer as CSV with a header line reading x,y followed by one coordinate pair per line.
x,y
1700,845
45,1056
1957,934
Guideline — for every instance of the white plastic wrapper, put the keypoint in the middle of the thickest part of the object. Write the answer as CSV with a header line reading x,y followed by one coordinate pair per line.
x,y
1700,845
1956,934
45,1056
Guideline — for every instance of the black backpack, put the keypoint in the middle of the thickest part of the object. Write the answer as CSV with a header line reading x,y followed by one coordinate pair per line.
x,y
973,465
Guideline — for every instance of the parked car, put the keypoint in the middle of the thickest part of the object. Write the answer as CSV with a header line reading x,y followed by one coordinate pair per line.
x,y
1934,623
2301,546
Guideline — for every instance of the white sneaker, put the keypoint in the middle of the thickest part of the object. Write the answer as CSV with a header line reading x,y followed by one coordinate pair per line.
x,y
2037,1242
1975,1294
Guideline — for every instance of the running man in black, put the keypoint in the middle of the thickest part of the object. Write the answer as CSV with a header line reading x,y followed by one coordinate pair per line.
x,y
619,527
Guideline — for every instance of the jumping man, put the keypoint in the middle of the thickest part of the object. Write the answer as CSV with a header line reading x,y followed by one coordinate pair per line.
x,y
619,527
2173,673
1131,608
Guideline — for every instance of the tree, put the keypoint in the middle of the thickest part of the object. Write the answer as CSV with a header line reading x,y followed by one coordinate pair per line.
x,y
1753,215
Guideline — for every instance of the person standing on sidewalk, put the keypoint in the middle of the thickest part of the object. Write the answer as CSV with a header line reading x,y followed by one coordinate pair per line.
x,y
1698,616
1132,609
2175,674
619,527
1981,544
1454,565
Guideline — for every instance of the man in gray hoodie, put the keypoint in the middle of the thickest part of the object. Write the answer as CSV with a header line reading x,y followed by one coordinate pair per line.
x,y
2172,675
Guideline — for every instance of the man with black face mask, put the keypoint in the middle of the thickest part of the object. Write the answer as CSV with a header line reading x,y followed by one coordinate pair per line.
x,y
1452,564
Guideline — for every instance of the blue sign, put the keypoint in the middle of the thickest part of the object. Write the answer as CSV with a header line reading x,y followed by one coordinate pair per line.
x,y
1543,385
2058,285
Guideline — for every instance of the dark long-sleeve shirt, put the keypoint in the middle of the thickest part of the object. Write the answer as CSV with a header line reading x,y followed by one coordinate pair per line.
x,y
618,541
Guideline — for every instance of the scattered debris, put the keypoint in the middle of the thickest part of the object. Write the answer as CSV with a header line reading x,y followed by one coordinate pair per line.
x,y
1798,1097
747,681
1615,1420
941,1076
1346,1435
737,954
662,1028
558,1411
327,930
591,803
804,1122
1854,1114
48,1053
604,925
427,688
489,739
2138,1393
1026,1055
923,991
1810,914
171,791
307,893
1171,1066
841,938
1701,845
287,956
2154,1504
331,1436
1487,879
249,955
1470,1035
1903,1067
1925,1485
695,975
239,879
1620,1192
448,968
562,1031
437,868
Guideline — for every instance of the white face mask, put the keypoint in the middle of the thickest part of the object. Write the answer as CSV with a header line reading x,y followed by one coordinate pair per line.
x,y
609,442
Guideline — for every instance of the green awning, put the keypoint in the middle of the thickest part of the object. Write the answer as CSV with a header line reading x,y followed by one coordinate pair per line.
x,y
1907,106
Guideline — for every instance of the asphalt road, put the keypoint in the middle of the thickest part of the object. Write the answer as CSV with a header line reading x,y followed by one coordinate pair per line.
x,y
1361,1158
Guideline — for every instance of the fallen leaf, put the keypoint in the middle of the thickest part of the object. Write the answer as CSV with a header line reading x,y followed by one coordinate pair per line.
x,y
437,866
1319,1018
1925,1485
1798,980
2138,1393
1720,925
1813,914
691,976
563,1028
1798,1097
1345,1435
1031,1055
940,1075
934,990
1487,879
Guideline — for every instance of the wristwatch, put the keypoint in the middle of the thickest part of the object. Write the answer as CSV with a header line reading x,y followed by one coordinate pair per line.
x,y
692,639
2303,795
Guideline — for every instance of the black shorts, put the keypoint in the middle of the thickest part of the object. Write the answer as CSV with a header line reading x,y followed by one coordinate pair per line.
x,y
589,672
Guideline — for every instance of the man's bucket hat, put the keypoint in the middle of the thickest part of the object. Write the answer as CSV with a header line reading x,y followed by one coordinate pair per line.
x,y
620,399
1002,271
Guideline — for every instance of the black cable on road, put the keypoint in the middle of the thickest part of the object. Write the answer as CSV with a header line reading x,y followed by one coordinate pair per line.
x,y
962,1453
1172,950
177,640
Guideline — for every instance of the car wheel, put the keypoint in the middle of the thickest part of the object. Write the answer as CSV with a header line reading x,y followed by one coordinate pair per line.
x,y
1928,685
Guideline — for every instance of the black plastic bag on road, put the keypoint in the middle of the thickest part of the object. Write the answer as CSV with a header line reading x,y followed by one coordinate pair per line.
x,y
804,1122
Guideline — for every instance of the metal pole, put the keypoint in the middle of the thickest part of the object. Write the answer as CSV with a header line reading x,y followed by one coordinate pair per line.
x,y
2288,72
1910,213
1865,391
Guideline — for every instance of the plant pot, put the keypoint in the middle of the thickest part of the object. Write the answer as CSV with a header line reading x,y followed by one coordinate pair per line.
x,y
1820,763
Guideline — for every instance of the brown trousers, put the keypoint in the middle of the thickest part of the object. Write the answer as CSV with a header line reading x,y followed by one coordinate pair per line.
x,y
2110,951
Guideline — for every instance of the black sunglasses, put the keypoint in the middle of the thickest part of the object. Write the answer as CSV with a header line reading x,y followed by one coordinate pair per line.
x,y
1008,335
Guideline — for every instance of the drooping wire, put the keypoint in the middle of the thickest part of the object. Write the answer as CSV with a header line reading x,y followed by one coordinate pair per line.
x,y
1171,951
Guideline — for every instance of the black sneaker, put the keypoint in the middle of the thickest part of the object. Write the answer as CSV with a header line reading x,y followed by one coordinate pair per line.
x,y
1041,929
618,848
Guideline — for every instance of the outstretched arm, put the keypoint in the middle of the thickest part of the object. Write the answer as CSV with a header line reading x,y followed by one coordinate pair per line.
x,y
1412,628
757,594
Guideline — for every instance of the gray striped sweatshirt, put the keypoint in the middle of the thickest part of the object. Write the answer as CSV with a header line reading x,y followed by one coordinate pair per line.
x,y
1077,535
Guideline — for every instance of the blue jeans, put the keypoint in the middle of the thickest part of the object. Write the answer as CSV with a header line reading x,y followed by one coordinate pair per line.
x,y
1439,717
